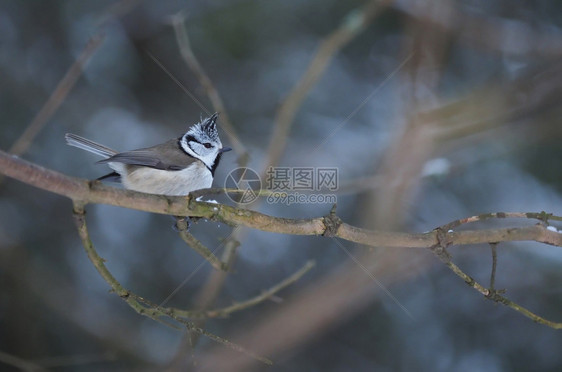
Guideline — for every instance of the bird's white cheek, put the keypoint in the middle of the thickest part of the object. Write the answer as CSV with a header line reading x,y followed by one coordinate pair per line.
x,y
209,159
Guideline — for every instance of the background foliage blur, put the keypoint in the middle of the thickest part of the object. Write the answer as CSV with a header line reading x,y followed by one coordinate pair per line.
x,y
438,110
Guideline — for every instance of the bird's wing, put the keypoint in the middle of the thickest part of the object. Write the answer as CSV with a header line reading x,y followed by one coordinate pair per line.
x,y
166,156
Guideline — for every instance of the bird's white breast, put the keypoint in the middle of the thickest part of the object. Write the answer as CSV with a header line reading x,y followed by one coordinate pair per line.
x,y
156,181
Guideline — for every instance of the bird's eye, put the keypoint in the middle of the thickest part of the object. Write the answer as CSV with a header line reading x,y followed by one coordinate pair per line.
x,y
207,145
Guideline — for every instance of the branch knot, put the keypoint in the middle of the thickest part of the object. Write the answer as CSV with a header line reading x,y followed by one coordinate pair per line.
x,y
331,223
496,295
440,249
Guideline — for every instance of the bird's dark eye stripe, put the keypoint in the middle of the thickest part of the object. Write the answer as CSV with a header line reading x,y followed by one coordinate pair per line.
x,y
190,138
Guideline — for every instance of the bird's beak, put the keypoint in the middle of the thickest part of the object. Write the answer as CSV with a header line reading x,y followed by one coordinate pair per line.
x,y
224,149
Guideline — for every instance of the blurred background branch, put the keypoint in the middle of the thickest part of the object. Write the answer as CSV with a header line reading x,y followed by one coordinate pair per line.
x,y
57,97
354,23
178,21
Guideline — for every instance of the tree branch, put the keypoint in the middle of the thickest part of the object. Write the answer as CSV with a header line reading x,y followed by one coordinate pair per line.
x,y
226,311
199,247
150,310
85,192
491,293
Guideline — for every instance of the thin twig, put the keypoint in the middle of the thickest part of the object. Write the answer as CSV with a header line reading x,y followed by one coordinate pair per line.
x,y
214,284
493,246
199,247
495,296
226,311
153,311
541,216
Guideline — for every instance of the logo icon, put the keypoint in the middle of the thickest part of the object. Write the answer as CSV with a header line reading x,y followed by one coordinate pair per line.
x,y
246,181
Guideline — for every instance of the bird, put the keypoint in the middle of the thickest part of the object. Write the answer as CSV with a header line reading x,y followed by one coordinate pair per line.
x,y
175,167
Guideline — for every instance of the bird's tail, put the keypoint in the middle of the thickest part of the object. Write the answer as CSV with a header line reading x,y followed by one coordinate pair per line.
x,y
91,146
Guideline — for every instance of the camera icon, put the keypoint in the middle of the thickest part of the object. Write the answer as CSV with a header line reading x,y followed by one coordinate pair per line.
x,y
246,181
